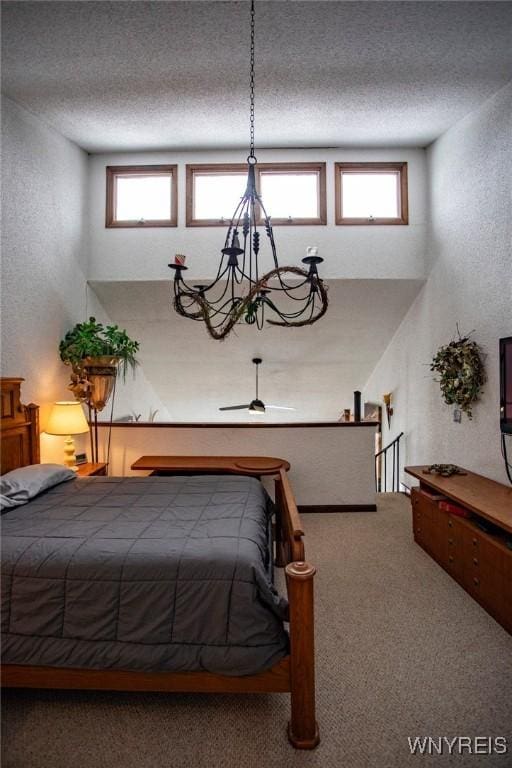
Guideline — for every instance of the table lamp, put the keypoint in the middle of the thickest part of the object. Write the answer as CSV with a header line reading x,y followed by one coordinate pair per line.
x,y
67,418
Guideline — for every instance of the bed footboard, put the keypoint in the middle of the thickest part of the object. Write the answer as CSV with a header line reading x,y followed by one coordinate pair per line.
x,y
302,728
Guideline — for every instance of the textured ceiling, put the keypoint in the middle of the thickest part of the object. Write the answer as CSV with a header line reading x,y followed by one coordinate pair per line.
x,y
315,369
147,75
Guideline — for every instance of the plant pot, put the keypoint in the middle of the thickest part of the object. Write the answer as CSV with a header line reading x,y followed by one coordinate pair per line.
x,y
101,361
101,374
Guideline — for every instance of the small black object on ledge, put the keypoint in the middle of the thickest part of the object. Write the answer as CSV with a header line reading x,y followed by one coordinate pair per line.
x,y
357,405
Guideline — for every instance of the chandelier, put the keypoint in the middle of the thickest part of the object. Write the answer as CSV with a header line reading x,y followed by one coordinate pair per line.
x,y
289,296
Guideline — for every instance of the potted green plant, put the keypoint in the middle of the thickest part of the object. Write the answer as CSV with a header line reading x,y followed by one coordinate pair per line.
x,y
95,352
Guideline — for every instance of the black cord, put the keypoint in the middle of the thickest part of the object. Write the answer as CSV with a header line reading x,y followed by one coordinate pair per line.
x,y
508,465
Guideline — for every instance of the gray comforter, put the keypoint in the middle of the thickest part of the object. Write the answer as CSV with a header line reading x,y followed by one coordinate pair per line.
x,y
153,573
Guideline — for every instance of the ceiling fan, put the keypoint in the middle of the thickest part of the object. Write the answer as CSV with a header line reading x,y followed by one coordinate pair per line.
x,y
256,406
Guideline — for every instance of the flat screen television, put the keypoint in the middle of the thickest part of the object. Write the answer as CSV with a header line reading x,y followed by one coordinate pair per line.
x,y
506,385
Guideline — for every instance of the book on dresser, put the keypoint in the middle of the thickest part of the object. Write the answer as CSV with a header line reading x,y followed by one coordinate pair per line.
x,y
465,523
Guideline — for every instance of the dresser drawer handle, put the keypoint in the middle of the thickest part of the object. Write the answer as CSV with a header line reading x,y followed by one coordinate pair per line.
x,y
475,542
450,541
475,561
451,558
450,523
476,581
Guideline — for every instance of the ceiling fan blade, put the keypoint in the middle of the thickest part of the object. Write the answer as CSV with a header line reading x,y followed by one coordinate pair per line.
x,y
281,407
235,407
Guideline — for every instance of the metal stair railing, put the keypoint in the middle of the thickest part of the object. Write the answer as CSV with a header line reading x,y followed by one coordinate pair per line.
x,y
381,463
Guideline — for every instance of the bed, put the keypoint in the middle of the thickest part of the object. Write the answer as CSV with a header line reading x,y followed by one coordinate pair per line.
x,y
155,584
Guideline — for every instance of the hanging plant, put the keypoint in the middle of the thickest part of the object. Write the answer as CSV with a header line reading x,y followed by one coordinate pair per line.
x,y
94,353
462,372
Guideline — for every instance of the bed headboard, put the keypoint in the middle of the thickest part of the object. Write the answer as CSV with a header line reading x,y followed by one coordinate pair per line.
x,y
19,426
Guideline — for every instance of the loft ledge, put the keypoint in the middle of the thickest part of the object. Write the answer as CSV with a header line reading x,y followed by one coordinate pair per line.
x,y
236,424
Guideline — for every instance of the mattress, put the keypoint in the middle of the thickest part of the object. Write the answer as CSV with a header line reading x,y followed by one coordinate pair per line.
x,y
152,573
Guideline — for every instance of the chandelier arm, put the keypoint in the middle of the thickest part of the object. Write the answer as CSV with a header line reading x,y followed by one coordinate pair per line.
x,y
288,290
241,308
292,315
232,285
254,235
235,220
269,231
193,295
239,211
213,303
314,317
245,251
260,317
220,272
191,290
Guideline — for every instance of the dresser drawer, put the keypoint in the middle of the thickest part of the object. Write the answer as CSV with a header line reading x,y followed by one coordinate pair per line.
x,y
454,564
485,583
480,549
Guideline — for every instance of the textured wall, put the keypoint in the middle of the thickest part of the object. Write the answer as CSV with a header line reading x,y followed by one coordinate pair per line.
x,y
470,283
135,395
329,465
349,252
44,210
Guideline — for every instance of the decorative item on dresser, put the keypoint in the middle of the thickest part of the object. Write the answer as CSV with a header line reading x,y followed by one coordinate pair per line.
x,y
294,673
464,522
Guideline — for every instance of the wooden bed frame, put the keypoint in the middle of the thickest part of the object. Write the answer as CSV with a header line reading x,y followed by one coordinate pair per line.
x,y
294,674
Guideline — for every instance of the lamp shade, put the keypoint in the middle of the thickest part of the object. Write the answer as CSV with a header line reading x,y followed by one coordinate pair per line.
x,y
67,418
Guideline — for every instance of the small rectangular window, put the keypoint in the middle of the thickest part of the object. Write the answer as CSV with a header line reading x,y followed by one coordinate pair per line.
x,y
292,193
213,192
141,196
371,193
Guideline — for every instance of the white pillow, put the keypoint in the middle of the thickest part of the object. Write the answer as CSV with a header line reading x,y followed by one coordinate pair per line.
x,y
21,485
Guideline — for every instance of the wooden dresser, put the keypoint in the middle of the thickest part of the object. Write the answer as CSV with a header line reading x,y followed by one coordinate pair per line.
x,y
475,550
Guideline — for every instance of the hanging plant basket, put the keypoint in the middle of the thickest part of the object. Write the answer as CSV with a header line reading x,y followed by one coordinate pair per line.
x,y
461,373
95,353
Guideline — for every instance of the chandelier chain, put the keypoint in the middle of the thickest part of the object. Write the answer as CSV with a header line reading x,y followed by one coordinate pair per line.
x,y
251,153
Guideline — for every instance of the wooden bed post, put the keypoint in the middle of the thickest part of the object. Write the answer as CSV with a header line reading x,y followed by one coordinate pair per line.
x,y
32,411
280,558
302,728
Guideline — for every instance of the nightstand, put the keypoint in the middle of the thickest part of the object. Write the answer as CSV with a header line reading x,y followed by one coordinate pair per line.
x,y
91,470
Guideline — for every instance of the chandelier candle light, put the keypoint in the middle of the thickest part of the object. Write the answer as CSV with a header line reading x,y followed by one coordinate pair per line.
x,y
240,293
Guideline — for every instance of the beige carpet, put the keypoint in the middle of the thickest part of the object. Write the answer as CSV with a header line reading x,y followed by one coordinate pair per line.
x,y
401,651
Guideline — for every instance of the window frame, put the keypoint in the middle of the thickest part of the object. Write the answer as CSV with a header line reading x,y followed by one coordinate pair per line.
x,y
371,168
113,172
222,169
